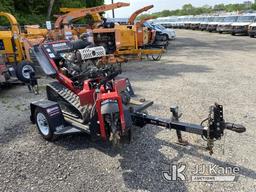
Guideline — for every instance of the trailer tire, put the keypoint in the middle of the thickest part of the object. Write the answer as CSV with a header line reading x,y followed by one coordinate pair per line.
x,y
21,73
165,37
43,126
252,36
156,57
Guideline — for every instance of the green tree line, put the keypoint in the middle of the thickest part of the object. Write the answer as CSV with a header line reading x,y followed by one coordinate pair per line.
x,y
35,11
189,9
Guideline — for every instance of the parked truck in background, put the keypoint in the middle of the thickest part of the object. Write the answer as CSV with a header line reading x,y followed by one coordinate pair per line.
x,y
212,26
205,23
252,30
242,24
226,25
170,33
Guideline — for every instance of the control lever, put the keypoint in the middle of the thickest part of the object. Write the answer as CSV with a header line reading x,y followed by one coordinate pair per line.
x,y
109,77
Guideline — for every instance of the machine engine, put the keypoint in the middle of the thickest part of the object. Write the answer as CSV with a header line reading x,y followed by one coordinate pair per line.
x,y
73,58
79,61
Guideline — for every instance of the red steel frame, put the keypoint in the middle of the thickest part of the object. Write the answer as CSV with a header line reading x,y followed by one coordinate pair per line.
x,y
86,96
109,96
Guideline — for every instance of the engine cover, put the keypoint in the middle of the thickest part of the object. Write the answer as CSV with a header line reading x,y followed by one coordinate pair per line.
x,y
94,52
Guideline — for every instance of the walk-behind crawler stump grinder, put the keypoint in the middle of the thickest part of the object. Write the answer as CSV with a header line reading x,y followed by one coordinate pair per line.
x,y
90,98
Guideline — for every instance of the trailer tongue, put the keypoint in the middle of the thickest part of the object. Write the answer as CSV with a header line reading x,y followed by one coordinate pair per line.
x,y
91,98
211,132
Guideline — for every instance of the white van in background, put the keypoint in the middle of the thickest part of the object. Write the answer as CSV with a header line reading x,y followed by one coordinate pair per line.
x,y
226,25
242,24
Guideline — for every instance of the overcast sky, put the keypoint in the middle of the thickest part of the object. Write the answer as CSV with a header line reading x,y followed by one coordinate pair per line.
x,y
161,5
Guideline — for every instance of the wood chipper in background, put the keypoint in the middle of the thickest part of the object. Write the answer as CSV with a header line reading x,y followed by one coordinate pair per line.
x,y
4,77
15,45
120,41
8,76
64,27
131,39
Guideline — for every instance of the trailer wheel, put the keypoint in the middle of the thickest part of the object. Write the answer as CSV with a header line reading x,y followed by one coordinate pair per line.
x,y
43,125
252,36
156,57
22,71
165,37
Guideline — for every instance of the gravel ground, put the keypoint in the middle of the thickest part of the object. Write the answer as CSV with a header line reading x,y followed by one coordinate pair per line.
x,y
199,69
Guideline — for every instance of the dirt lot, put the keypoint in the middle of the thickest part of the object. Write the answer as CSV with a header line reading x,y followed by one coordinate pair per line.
x,y
199,69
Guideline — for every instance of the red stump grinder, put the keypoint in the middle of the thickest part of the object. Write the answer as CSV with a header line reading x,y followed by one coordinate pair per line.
x,y
88,97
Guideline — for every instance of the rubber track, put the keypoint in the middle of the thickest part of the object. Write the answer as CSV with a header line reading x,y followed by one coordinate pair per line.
x,y
71,98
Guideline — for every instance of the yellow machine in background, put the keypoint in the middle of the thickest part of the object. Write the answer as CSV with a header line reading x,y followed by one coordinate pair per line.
x,y
131,40
15,45
10,43
96,16
128,41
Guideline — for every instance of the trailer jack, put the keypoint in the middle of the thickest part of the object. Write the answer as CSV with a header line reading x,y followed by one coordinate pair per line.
x,y
32,83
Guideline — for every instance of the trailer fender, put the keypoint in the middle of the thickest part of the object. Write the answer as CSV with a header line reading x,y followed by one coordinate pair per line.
x,y
53,111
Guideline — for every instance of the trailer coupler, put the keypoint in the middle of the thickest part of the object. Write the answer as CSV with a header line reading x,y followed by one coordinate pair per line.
x,y
212,131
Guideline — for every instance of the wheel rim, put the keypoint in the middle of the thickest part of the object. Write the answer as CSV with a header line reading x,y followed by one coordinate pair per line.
x,y
42,124
26,68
